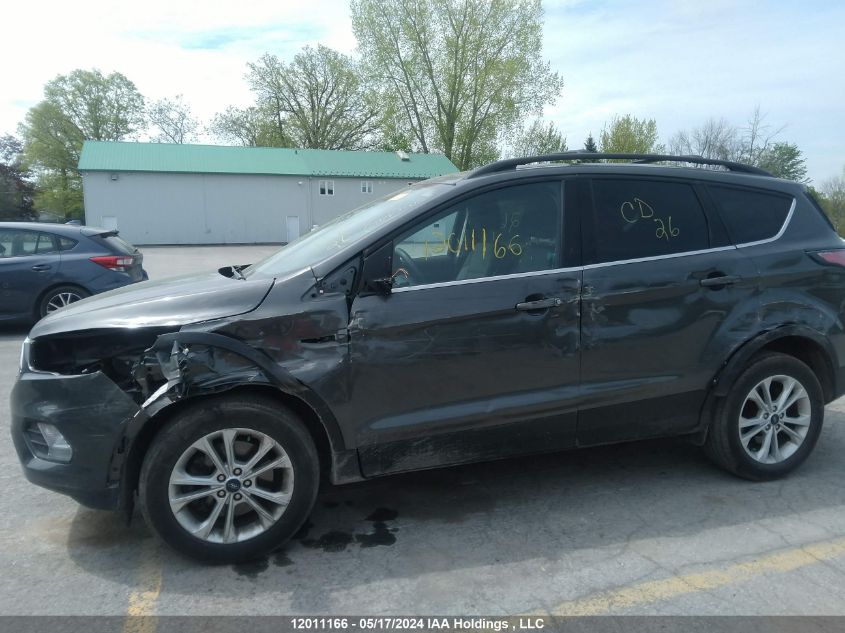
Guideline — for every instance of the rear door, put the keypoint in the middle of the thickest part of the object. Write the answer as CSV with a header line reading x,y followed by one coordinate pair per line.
x,y
665,297
475,354
29,261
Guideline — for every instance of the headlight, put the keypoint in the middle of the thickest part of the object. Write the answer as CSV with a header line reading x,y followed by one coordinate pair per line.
x,y
23,365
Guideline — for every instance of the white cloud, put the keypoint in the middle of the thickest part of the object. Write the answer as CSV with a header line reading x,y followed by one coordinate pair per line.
x,y
677,61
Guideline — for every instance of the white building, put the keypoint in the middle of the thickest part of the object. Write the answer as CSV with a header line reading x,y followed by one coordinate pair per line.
x,y
157,193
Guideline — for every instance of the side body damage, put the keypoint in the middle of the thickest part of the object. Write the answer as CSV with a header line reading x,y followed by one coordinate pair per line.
x,y
138,377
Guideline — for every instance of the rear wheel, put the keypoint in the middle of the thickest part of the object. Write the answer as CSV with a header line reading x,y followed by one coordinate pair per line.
x,y
59,297
229,479
770,421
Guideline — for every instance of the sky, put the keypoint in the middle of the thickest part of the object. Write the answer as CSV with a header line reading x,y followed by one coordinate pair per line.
x,y
677,61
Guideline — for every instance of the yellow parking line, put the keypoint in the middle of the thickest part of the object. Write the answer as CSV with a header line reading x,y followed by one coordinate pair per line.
x,y
653,591
142,601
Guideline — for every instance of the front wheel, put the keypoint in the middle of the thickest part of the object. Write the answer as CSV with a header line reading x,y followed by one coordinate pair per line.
x,y
229,479
770,421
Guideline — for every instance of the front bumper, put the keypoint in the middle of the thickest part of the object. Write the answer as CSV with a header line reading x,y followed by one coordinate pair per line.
x,y
92,413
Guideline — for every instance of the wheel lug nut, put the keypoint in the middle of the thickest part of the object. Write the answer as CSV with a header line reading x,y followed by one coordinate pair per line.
x,y
765,416
768,426
237,471
247,483
221,493
221,478
238,496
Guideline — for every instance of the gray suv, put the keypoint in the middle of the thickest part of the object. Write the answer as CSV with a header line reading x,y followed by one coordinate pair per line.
x,y
531,305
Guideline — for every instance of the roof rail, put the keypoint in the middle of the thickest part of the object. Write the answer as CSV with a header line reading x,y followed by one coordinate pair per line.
x,y
513,163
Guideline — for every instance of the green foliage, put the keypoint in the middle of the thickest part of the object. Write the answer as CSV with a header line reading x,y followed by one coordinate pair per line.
x,y
832,198
753,144
101,107
538,138
173,121
251,127
83,105
784,160
630,135
590,144
16,192
317,100
461,74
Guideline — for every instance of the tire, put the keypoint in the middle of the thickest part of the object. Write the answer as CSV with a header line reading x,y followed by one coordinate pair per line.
x,y
744,412
58,297
242,535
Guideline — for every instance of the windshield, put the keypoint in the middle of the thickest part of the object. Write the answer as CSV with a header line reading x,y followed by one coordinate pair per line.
x,y
334,236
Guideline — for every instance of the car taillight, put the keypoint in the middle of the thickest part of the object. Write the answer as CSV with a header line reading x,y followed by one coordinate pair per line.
x,y
836,258
116,263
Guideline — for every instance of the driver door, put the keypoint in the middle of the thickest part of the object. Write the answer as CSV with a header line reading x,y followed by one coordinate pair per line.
x,y
474,353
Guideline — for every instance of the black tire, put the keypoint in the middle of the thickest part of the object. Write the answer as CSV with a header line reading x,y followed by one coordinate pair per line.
x,y
212,414
43,306
723,444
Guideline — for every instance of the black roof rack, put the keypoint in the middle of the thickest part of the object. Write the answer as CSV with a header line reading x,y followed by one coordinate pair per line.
x,y
513,163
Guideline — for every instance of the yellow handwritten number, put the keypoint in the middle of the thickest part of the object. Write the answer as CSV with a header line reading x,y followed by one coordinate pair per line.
x,y
665,230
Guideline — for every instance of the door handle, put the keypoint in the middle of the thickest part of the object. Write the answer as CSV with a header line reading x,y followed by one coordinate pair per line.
x,y
41,267
539,304
723,280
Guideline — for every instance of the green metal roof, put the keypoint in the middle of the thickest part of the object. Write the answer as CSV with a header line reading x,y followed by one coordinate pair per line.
x,y
219,159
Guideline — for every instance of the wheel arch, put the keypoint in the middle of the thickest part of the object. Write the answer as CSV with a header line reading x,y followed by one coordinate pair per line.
x,y
798,341
260,377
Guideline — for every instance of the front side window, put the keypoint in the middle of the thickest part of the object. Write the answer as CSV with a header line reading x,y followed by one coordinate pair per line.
x,y
501,232
750,216
635,219
7,242
345,231
14,243
326,187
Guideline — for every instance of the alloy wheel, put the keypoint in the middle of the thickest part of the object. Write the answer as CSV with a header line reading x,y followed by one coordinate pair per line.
x,y
61,299
775,419
231,485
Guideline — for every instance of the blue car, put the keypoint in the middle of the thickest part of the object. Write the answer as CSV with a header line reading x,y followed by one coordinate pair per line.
x,y
44,267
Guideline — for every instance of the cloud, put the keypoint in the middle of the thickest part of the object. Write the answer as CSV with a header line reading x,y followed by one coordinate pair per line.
x,y
678,61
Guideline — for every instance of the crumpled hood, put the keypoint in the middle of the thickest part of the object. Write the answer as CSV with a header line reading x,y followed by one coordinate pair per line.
x,y
170,302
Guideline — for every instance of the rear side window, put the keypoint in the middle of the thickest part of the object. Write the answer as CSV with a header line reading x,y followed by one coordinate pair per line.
x,y
66,243
750,216
646,218
117,244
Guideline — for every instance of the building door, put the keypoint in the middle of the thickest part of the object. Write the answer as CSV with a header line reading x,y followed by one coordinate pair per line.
x,y
292,224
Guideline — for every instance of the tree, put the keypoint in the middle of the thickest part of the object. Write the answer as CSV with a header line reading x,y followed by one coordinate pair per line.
x,y
832,199
756,138
715,139
538,138
461,73
247,126
83,105
317,100
630,135
16,192
173,120
101,107
753,144
590,144
784,160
